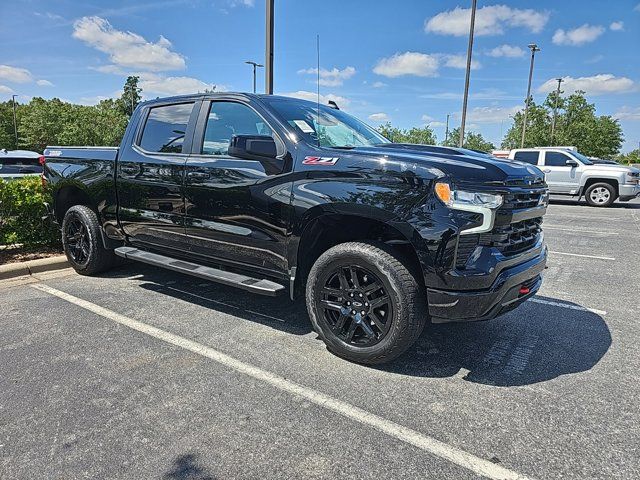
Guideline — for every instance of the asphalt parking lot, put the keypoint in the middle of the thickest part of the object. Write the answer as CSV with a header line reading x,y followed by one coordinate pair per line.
x,y
142,373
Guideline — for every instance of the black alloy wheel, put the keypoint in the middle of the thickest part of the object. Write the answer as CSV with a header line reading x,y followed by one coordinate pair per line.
x,y
77,241
355,305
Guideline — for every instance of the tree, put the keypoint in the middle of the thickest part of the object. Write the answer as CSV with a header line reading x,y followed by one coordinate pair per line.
x,y
631,158
419,135
7,135
130,97
472,141
577,125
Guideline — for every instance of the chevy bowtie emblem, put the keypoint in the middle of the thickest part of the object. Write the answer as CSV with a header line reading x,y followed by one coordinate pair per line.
x,y
326,161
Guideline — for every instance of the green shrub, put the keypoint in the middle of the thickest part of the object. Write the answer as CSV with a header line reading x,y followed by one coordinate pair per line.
x,y
21,212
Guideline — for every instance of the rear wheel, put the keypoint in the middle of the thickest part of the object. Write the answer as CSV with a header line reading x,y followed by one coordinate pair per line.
x,y
365,304
600,195
82,242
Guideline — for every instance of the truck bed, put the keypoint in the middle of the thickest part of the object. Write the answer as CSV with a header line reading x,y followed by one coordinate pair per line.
x,y
83,153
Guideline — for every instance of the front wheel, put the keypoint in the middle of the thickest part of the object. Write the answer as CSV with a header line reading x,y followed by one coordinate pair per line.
x,y
600,195
365,304
82,242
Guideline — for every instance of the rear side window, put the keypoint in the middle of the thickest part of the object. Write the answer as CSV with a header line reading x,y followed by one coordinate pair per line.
x,y
165,128
555,159
527,157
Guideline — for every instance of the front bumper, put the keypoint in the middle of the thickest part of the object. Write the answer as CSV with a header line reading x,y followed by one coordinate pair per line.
x,y
628,192
504,294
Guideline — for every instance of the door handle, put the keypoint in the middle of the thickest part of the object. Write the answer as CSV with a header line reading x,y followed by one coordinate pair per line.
x,y
129,169
546,170
198,175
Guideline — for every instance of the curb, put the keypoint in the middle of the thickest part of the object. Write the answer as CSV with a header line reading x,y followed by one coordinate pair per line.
x,y
30,267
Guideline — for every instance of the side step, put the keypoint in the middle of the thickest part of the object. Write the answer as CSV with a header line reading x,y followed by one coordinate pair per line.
x,y
255,285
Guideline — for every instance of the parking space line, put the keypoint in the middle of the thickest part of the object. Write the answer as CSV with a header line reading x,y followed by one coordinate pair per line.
x,y
597,257
577,230
566,305
477,465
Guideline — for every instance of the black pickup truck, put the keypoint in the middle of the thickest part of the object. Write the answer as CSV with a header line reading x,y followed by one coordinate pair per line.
x,y
269,194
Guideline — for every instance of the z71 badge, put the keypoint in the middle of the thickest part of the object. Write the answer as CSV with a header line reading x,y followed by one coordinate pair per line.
x,y
325,161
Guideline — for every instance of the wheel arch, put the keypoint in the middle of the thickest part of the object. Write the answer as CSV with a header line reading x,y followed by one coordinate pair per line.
x,y
593,180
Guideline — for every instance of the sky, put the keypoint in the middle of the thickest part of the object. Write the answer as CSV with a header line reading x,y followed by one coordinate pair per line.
x,y
401,61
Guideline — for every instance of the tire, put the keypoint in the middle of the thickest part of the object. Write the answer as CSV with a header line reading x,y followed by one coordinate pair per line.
x,y
600,195
384,286
82,242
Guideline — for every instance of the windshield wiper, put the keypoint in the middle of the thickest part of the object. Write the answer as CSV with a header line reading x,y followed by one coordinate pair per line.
x,y
345,147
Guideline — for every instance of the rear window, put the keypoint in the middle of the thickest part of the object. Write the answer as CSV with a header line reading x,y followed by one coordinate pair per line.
x,y
165,128
527,157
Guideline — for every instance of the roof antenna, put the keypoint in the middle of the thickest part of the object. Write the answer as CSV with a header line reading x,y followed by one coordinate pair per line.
x,y
318,86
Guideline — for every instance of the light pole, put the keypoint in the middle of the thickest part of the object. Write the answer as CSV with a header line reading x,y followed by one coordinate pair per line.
x,y
446,130
15,123
555,110
268,71
468,74
255,65
534,48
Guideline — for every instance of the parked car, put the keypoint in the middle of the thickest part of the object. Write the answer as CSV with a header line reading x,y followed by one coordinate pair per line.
x,y
19,163
270,194
568,172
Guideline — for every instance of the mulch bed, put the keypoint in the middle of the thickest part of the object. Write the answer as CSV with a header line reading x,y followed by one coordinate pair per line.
x,y
10,254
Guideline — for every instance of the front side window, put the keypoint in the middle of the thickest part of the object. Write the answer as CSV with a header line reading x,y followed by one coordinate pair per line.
x,y
325,126
555,159
165,128
527,157
227,119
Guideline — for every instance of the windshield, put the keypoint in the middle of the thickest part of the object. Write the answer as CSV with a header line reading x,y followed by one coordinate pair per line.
x,y
326,127
582,158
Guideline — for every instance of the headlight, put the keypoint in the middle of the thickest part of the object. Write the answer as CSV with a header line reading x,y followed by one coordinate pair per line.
x,y
633,178
483,203
455,198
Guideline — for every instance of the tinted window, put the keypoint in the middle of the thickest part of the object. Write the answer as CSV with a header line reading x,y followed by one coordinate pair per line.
x,y
165,128
227,119
528,157
555,159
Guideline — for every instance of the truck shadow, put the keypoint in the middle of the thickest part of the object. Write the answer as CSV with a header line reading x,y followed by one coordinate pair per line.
x,y
188,467
534,343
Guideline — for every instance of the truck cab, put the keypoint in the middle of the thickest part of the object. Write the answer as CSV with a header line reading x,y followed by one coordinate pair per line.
x,y
568,172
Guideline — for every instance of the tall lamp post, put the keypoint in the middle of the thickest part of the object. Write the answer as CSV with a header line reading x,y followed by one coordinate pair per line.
x,y
15,123
268,71
255,65
534,48
468,74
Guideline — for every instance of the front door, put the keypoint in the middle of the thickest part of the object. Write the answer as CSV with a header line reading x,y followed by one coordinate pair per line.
x,y
150,178
237,210
560,177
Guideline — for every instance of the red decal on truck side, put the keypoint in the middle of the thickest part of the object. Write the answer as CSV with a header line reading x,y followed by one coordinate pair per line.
x,y
325,161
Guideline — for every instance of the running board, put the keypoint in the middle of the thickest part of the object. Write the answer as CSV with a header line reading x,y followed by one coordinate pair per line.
x,y
255,285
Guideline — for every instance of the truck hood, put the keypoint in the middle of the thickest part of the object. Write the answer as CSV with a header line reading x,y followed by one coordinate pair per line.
x,y
462,168
612,168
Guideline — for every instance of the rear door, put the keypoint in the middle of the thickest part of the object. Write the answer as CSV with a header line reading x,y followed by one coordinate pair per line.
x,y
560,177
237,209
150,176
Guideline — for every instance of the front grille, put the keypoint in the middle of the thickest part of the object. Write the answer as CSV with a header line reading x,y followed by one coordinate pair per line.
x,y
508,239
520,200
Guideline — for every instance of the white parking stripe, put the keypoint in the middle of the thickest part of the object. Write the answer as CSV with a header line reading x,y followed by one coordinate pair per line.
x,y
563,305
582,255
428,444
577,230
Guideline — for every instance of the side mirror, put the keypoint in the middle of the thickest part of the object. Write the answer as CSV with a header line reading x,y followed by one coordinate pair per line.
x,y
571,163
253,147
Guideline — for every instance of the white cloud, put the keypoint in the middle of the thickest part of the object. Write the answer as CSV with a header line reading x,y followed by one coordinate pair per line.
x,y
617,26
158,84
379,117
379,85
324,99
331,78
15,74
628,113
5,89
578,36
93,100
637,8
242,3
485,94
127,49
44,83
437,124
109,69
594,85
490,20
491,114
427,118
509,51
460,61
408,63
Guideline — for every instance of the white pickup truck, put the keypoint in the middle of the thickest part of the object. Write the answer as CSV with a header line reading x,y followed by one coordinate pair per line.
x,y
568,172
